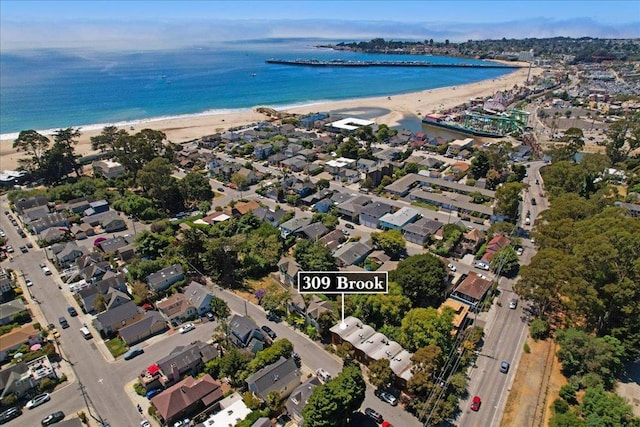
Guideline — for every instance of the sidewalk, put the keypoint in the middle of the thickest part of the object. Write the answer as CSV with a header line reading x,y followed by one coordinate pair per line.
x,y
139,400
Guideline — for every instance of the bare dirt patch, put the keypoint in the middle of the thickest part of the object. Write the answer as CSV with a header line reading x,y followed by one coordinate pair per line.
x,y
526,403
248,292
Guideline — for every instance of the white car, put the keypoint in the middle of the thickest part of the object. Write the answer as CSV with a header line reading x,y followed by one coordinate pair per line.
x,y
451,267
28,282
145,423
187,327
38,400
520,251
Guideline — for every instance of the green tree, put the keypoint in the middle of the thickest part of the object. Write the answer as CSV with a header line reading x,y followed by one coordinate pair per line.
x,y
426,326
506,259
391,242
35,145
421,278
314,256
66,139
330,404
219,308
151,245
322,184
273,298
232,363
604,409
379,309
107,139
508,200
380,374
156,180
480,165
99,304
622,137
134,151
195,188
349,148
280,348
240,181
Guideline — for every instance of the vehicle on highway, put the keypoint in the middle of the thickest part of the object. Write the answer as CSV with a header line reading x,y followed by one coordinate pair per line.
x,y
504,366
273,317
72,311
375,415
52,418
63,322
475,403
350,226
187,327
267,330
513,304
10,414
385,396
38,400
133,352
28,282
451,267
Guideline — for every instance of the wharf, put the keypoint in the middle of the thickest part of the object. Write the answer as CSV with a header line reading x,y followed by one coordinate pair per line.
x,y
343,63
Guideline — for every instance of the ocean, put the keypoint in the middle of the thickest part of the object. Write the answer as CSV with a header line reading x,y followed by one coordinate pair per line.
x,y
52,89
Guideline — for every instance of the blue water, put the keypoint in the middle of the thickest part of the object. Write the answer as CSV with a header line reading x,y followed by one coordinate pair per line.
x,y
49,89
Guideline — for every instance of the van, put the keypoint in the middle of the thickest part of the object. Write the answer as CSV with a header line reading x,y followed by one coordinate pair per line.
x,y
86,333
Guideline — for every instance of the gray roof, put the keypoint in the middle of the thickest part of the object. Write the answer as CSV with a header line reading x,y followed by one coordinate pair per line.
x,y
352,252
117,314
131,332
12,307
196,293
300,395
164,274
376,209
23,204
459,201
404,184
17,370
271,376
185,355
400,217
338,198
424,227
112,245
295,224
313,231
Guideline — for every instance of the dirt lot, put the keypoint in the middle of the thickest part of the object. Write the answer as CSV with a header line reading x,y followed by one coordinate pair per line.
x,y
535,387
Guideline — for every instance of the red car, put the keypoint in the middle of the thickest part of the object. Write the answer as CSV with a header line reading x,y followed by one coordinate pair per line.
x,y
475,404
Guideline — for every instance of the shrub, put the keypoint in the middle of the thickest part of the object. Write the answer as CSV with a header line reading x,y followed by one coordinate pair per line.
x,y
560,406
152,411
9,400
83,417
568,393
539,329
139,389
46,384
526,348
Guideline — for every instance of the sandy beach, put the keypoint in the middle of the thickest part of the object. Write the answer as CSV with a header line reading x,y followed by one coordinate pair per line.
x,y
387,110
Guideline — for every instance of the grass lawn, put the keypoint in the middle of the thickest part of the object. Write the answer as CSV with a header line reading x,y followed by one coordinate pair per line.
x,y
116,346
425,205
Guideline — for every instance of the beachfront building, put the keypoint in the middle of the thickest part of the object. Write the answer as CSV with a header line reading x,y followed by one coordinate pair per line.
x,y
349,124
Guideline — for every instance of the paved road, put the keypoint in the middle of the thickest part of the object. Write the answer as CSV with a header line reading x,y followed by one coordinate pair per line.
x,y
505,329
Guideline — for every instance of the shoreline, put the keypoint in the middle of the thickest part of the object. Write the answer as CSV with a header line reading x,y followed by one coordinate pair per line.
x,y
389,110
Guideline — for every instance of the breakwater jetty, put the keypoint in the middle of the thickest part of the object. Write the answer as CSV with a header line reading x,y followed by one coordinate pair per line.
x,y
345,63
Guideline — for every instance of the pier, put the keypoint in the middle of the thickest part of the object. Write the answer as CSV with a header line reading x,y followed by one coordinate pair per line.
x,y
344,63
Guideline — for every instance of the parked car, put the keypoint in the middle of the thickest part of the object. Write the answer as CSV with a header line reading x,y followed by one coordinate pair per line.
x,y
29,245
28,282
504,366
10,414
273,317
145,423
513,304
374,415
9,249
451,267
350,226
533,202
520,251
133,352
182,423
55,333
23,249
52,418
475,403
153,392
323,375
220,189
72,311
187,327
38,400
386,424
210,317
385,396
267,330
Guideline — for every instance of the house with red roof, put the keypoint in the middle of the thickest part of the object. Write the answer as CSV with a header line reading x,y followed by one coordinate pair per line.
x,y
494,245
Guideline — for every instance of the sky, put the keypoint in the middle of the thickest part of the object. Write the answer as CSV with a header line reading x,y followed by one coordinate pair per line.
x,y
28,24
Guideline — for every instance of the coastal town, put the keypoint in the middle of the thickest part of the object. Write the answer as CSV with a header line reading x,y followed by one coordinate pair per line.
x,y
148,281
